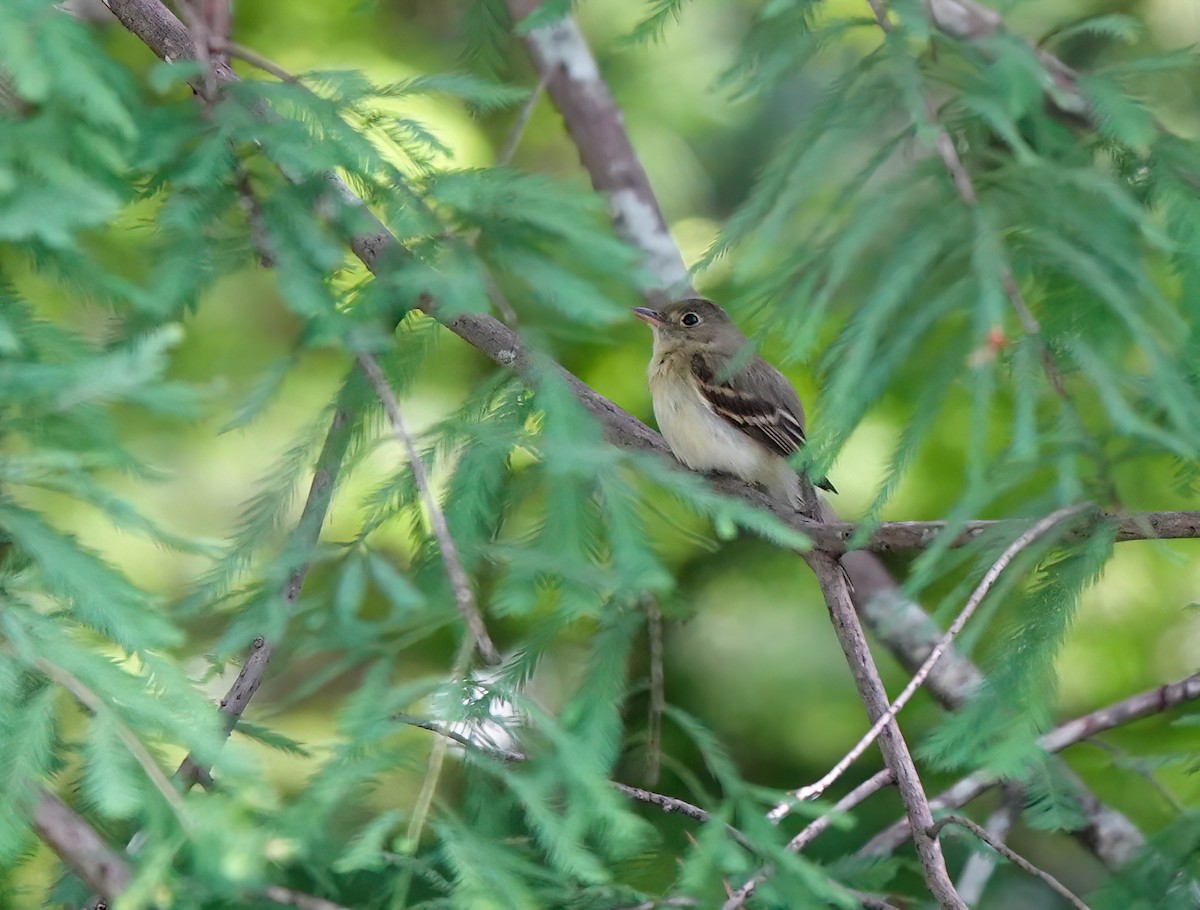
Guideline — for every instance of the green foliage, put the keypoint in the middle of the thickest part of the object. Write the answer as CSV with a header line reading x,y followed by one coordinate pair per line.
x,y
1162,875
997,730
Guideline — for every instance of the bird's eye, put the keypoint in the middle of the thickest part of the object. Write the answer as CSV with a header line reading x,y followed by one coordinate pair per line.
x,y
690,319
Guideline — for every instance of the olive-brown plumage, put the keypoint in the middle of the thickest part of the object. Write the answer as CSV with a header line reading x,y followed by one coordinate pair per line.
x,y
720,406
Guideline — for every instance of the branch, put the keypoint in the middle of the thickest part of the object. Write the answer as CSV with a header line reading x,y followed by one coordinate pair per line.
x,y
812,791
78,845
566,65
969,21
1009,854
1144,704
978,868
906,536
136,748
464,597
301,541
668,804
815,828
107,872
895,751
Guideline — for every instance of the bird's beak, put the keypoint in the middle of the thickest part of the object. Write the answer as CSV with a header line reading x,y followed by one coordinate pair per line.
x,y
653,318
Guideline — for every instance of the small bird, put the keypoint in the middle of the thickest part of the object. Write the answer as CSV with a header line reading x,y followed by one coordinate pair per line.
x,y
719,406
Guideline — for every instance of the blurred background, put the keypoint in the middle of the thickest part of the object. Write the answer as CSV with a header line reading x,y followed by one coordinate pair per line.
x,y
747,641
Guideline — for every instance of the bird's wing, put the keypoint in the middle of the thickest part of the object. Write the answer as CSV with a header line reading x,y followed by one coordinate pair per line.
x,y
757,399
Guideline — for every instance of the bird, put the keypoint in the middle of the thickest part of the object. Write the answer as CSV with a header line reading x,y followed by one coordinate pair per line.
x,y
719,406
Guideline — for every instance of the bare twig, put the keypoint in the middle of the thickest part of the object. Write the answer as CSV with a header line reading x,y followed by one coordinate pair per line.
x,y
300,542
513,139
668,804
814,790
812,831
906,536
1073,731
1008,853
1144,704
658,701
258,61
464,597
136,747
818,826
895,751
504,755
978,868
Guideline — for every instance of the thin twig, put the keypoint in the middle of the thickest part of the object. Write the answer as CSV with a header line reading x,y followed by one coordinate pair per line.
x,y
460,583
513,139
1009,854
136,747
978,868
818,826
433,773
504,755
811,832
1136,707
258,61
895,750
814,790
1123,755
668,804
906,536
658,700
303,538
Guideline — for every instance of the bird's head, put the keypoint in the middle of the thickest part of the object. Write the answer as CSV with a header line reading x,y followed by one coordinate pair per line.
x,y
695,321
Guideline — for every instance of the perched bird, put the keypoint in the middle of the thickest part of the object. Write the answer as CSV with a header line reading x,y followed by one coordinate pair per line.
x,y
719,406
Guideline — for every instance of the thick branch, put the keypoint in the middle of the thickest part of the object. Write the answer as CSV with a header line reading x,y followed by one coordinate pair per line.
x,y
107,872
572,77
78,845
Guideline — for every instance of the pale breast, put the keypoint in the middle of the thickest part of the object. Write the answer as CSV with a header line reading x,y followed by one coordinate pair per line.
x,y
700,438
